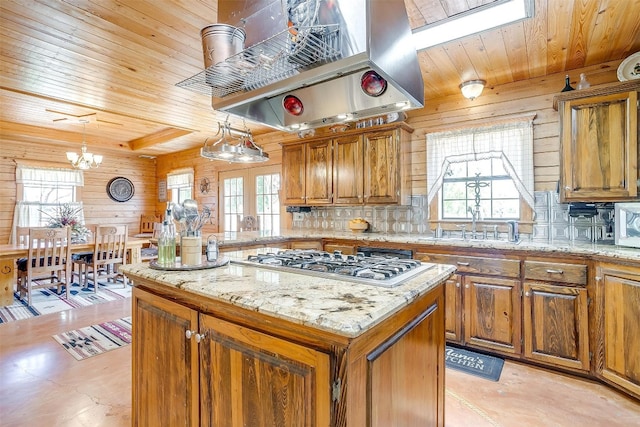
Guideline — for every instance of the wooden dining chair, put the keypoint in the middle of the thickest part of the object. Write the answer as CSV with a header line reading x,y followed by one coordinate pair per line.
x,y
109,251
150,253
22,239
48,261
147,223
248,223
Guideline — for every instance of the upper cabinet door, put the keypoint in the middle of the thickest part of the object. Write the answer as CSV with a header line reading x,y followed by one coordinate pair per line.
x,y
347,171
599,139
294,174
381,152
319,179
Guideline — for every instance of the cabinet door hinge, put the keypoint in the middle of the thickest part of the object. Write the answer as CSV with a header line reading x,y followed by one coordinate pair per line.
x,y
335,390
590,356
589,301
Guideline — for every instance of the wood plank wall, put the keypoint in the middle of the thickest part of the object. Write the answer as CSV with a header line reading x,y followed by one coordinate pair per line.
x,y
210,169
98,207
533,96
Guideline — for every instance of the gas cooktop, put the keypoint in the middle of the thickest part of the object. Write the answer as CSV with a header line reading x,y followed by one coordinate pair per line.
x,y
387,271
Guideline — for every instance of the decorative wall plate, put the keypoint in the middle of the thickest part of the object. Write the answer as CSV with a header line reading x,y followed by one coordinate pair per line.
x,y
120,189
629,69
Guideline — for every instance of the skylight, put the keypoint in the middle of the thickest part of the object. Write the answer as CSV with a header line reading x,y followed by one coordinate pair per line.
x,y
474,21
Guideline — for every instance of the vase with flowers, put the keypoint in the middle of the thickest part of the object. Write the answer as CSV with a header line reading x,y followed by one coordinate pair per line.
x,y
67,215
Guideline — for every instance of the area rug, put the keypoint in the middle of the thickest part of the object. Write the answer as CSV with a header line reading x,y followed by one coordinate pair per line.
x,y
46,301
480,365
96,339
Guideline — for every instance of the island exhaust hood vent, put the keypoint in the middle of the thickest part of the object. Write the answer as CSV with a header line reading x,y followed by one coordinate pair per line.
x,y
313,63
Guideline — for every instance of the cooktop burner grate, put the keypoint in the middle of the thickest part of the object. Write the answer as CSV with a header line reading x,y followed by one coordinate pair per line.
x,y
387,271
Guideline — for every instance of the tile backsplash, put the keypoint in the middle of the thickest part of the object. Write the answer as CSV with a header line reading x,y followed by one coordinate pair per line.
x,y
552,220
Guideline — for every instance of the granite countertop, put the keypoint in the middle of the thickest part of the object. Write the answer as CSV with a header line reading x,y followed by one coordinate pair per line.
x,y
344,308
578,248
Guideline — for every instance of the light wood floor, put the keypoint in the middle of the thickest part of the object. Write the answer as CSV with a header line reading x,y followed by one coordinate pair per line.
x,y
42,385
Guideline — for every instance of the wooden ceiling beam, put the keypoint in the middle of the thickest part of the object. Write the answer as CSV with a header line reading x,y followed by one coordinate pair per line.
x,y
157,138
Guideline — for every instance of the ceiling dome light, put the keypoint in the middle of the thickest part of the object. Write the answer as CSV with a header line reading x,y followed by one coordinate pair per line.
x,y
373,84
472,89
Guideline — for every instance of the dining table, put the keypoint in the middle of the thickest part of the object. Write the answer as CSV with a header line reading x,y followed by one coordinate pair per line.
x,y
10,253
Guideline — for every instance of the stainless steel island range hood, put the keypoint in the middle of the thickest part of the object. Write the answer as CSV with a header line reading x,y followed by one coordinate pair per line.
x,y
312,63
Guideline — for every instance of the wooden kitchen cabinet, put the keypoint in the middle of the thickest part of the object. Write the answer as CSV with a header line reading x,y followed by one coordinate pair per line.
x,y
319,173
165,364
483,304
307,244
353,169
223,374
307,173
453,309
238,367
492,310
618,326
344,249
348,170
555,307
599,147
294,173
251,378
381,169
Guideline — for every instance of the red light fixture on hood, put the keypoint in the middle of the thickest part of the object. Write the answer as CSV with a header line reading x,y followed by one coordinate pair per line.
x,y
373,84
293,105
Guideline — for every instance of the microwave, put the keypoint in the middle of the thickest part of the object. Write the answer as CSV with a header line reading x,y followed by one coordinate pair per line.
x,y
627,220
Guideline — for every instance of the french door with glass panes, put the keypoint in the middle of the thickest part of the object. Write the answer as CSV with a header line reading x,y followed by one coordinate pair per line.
x,y
252,192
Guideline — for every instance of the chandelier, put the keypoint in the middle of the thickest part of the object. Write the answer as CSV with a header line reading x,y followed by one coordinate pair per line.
x,y
85,160
233,146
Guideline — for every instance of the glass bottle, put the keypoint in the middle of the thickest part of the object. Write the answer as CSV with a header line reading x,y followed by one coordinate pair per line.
x,y
567,84
583,83
166,246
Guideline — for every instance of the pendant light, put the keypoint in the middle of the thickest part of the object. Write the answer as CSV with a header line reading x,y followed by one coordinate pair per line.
x,y
85,160
233,146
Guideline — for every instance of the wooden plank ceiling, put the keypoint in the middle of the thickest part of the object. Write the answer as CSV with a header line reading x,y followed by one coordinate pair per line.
x,y
115,63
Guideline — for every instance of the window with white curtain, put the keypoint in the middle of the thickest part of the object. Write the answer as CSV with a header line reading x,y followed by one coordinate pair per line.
x,y
482,171
180,182
41,191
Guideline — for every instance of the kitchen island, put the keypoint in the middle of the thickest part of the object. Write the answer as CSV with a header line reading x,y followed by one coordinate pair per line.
x,y
243,345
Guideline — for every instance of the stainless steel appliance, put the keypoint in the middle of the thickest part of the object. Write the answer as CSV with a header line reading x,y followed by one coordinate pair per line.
x,y
627,223
387,271
312,63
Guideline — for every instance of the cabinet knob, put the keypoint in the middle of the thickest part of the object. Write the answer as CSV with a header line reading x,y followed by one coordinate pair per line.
x,y
466,286
567,188
197,336
457,284
527,294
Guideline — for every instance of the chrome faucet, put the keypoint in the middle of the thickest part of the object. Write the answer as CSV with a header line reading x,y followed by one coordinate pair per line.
x,y
475,216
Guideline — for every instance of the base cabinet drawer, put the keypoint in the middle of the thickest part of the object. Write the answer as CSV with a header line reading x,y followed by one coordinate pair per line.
x,y
476,265
556,272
